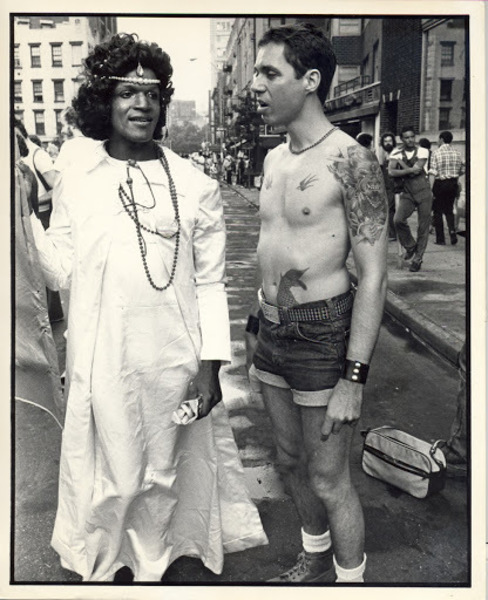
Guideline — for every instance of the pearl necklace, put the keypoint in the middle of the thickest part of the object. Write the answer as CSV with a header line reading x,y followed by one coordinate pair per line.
x,y
326,135
130,207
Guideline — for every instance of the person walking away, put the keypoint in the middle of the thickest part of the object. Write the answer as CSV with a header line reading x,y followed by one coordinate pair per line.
x,y
388,143
408,164
446,168
138,236
321,196
228,165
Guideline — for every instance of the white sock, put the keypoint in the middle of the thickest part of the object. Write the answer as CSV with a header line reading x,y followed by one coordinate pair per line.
x,y
316,543
350,575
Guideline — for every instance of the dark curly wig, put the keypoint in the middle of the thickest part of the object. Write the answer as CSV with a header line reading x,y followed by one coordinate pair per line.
x,y
119,56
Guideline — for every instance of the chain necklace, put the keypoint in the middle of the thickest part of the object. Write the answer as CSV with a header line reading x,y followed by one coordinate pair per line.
x,y
130,207
326,135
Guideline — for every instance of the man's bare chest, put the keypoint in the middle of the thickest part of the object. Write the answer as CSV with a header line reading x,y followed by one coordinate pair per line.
x,y
304,194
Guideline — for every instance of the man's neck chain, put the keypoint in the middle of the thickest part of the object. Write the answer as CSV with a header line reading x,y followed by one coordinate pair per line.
x,y
326,135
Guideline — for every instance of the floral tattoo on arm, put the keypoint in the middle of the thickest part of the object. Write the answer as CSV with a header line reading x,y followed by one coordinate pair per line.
x,y
365,202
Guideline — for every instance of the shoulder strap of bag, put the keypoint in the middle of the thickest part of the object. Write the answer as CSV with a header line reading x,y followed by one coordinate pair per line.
x,y
47,187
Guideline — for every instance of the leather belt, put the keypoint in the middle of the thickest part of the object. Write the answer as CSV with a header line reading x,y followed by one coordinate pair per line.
x,y
283,314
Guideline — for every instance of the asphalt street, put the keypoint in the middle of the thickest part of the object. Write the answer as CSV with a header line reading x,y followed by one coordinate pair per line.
x,y
408,541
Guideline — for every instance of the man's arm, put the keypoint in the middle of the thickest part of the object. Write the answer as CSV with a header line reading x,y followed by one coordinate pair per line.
x,y
366,208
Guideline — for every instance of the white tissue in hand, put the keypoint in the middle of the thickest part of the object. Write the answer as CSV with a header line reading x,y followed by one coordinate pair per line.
x,y
186,413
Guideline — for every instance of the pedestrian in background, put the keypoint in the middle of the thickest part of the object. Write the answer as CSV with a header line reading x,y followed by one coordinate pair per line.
x,y
387,144
456,448
407,163
228,165
322,195
138,236
446,168
425,143
41,165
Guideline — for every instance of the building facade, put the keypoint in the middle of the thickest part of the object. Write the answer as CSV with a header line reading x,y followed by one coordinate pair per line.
x,y
47,63
391,72
220,30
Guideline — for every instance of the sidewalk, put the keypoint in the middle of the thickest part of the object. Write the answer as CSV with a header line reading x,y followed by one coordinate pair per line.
x,y
430,303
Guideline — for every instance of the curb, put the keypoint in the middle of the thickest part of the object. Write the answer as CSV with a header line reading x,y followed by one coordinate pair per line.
x,y
444,343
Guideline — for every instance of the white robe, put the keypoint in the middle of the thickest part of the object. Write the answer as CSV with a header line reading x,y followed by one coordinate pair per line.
x,y
135,489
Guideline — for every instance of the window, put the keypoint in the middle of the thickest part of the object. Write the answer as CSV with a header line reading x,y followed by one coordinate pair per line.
x,y
447,54
35,51
37,91
346,73
59,91
446,89
19,114
17,64
56,54
17,91
76,54
59,122
39,122
349,27
444,114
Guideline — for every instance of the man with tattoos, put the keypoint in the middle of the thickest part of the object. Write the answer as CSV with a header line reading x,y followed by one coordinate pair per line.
x,y
322,195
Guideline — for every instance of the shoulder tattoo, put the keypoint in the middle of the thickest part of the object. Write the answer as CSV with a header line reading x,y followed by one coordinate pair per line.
x,y
365,198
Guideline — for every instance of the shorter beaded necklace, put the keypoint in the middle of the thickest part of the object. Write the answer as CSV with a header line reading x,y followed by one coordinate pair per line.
x,y
130,207
325,136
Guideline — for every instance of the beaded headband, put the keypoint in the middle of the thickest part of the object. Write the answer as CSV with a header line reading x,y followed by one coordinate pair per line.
x,y
139,79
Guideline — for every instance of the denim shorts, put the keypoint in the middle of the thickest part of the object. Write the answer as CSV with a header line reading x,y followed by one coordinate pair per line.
x,y
306,357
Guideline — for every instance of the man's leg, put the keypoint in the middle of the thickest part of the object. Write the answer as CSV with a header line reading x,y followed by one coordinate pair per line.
x,y
403,211
328,465
291,458
437,218
424,211
450,191
315,562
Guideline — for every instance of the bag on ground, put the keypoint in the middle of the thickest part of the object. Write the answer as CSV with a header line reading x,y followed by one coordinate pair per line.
x,y
400,459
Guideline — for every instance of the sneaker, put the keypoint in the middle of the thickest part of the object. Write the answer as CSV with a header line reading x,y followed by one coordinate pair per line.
x,y
409,253
310,566
415,266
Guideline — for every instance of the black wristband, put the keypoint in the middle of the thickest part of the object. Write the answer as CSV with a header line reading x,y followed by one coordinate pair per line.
x,y
252,324
355,371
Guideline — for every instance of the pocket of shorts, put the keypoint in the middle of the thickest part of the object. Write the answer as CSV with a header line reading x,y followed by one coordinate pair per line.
x,y
316,333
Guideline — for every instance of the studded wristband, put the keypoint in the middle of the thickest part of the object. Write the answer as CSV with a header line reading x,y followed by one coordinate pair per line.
x,y
252,324
355,371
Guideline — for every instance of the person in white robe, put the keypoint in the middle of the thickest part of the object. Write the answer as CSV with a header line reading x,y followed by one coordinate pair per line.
x,y
137,235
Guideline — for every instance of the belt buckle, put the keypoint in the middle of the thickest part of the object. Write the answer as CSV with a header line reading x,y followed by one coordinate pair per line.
x,y
270,312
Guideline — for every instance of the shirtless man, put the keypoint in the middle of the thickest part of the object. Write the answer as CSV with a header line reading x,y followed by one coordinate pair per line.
x,y
322,195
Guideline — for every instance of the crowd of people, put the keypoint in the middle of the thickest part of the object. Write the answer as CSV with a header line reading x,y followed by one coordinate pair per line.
x,y
149,468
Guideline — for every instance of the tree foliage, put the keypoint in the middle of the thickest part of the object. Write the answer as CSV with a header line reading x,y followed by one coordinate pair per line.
x,y
186,137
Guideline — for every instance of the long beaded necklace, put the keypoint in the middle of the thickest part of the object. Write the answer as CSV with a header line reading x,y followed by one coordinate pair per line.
x,y
326,135
130,207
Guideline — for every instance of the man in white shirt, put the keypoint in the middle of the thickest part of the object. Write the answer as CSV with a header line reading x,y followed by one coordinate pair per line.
x,y
408,163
